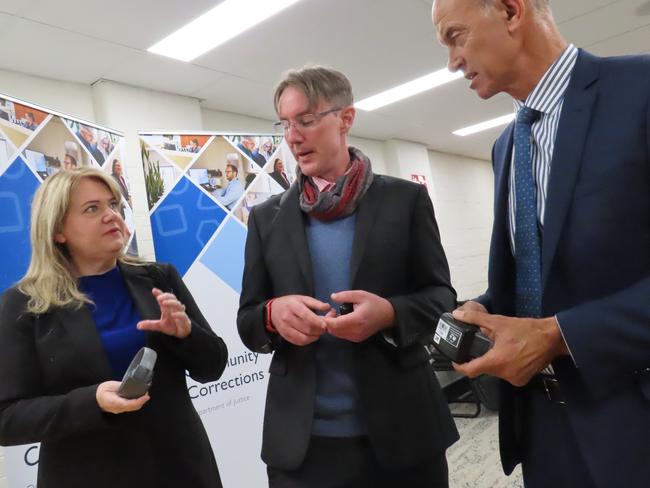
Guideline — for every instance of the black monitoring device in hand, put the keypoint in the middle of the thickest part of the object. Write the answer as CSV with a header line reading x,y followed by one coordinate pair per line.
x,y
459,341
138,376
346,308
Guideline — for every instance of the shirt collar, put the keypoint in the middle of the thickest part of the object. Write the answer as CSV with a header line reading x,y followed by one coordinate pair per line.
x,y
549,92
321,183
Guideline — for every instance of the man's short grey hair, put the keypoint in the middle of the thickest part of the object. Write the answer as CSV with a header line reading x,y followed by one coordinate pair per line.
x,y
318,83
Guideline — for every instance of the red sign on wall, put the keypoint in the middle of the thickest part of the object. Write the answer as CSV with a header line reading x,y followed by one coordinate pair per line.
x,y
421,179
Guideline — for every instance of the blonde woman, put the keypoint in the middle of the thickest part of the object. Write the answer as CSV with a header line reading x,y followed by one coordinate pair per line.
x,y
68,331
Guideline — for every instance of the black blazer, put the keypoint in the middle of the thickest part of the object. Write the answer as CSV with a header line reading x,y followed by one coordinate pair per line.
x,y
396,254
595,267
50,366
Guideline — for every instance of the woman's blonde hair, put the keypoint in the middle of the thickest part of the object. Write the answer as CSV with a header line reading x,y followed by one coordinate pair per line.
x,y
49,281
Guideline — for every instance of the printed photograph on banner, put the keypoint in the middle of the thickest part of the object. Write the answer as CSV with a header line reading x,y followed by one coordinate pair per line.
x,y
54,149
160,174
279,172
127,214
258,149
263,188
98,143
180,149
6,151
20,115
115,167
222,172
282,166
193,144
18,122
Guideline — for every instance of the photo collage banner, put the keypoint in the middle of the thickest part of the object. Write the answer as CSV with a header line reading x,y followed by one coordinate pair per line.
x,y
201,188
36,143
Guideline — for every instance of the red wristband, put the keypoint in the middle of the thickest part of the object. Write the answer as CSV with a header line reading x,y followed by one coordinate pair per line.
x,y
269,322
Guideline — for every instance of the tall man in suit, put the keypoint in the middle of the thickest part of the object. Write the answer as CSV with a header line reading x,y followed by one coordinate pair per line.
x,y
351,398
569,256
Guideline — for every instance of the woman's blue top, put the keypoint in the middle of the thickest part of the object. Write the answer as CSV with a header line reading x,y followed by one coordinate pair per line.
x,y
115,316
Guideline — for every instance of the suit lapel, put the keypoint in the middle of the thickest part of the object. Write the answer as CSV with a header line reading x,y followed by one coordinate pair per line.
x,y
503,162
579,102
366,214
139,283
501,269
81,330
291,218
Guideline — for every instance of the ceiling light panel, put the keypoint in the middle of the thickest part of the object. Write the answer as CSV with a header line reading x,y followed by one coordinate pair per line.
x,y
408,89
225,21
488,124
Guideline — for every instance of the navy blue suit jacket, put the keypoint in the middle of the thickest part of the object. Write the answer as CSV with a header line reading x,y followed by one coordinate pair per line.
x,y
595,266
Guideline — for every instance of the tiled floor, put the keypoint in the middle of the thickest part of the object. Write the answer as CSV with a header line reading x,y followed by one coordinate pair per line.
x,y
474,459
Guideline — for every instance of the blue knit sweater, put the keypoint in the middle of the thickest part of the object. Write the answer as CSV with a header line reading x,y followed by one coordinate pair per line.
x,y
337,407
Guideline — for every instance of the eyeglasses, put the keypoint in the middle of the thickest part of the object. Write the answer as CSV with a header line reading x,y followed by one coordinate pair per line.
x,y
305,121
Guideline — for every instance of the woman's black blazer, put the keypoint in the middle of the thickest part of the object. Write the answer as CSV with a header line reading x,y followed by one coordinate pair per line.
x,y
50,366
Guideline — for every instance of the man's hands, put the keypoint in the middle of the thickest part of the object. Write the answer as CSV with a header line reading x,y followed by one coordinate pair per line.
x,y
296,318
522,346
371,314
472,306
109,401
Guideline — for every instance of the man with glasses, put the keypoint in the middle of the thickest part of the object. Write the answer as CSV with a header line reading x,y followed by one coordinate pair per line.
x,y
344,280
230,194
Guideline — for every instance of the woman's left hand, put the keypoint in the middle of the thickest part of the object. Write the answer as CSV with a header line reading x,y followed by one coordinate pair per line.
x,y
173,319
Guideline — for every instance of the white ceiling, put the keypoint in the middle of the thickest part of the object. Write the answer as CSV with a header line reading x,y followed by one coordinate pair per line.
x,y
377,43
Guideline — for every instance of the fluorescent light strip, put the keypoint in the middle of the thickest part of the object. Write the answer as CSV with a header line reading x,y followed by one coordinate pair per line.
x,y
408,89
488,124
223,22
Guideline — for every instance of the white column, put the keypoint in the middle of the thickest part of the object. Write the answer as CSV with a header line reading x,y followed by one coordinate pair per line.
x,y
404,158
129,110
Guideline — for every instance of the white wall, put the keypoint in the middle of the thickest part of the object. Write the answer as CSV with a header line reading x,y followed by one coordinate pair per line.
x,y
375,151
217,121
461,191
61,96
3,470
464,211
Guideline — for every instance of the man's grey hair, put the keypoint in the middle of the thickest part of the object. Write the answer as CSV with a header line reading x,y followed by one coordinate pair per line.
x,y
318,83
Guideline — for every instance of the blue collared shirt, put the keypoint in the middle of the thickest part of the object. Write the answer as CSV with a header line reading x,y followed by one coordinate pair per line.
x,y
230,194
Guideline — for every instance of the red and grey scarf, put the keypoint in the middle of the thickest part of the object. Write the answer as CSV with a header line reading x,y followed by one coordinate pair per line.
x,y
341,199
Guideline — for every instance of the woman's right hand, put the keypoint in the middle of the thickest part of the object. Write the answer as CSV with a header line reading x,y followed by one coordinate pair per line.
x,y
109,401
